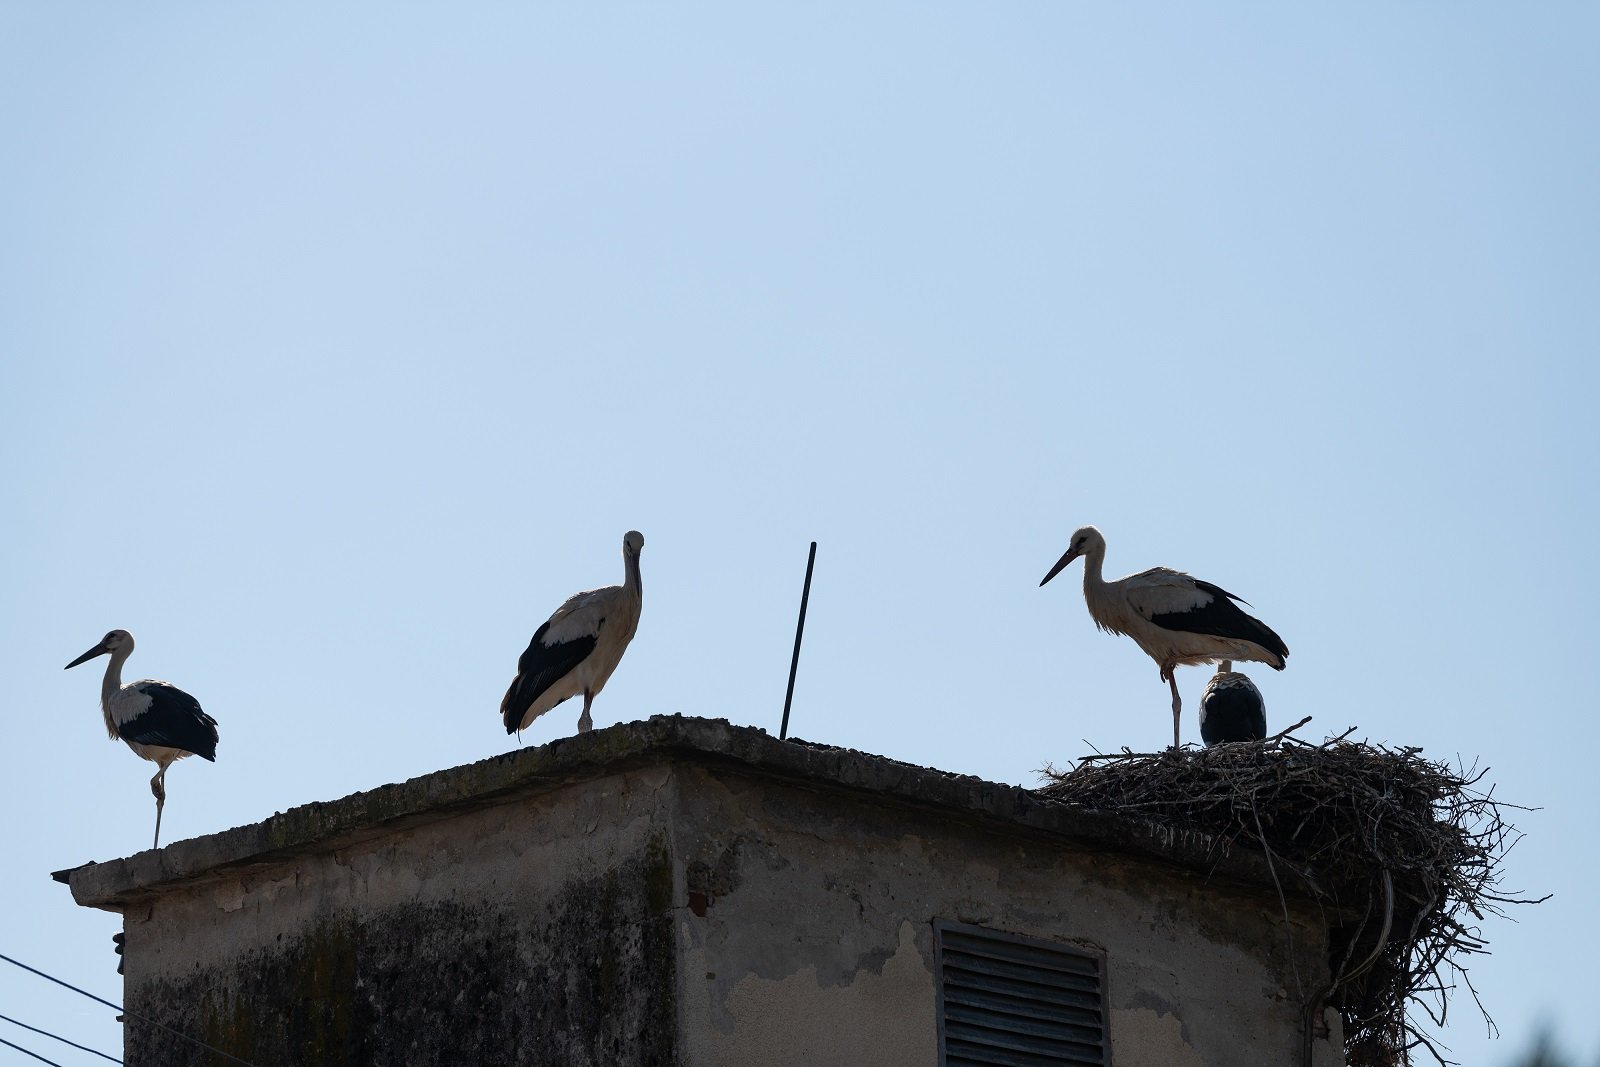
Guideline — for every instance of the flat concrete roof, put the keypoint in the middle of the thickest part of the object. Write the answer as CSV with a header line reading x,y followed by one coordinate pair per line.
x,y
118,884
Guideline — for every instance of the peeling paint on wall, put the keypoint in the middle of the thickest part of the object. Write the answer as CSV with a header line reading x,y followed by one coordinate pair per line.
x,y
801,1019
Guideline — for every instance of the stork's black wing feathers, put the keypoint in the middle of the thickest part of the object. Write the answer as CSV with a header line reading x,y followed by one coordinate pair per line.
x,y
1223,618
174,719
540,667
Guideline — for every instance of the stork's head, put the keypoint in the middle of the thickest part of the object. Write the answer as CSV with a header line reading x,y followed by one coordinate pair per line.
x,y
111,642
632,544
1085,541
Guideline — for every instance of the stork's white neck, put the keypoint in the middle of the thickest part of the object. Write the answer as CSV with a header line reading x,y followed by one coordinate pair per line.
x,y
1105,609
112,682
1093,581
631,580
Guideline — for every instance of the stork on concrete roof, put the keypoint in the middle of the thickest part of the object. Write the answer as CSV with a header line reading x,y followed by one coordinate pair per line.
x,y
578,647
159,721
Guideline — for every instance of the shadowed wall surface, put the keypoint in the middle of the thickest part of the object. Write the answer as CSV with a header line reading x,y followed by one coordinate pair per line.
x,y
681,891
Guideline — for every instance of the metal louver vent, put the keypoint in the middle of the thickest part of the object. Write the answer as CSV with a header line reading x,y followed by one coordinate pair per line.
x,y
1017,1001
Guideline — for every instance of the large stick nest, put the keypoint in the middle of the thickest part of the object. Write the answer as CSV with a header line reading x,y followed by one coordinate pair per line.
x,y
1403,853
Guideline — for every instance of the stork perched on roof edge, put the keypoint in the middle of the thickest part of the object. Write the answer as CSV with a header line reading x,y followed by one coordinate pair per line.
x,y
1177,619
159,721
578,647
1231,708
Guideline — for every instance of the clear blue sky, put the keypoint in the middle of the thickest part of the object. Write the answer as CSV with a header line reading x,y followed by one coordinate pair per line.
x,y
339,344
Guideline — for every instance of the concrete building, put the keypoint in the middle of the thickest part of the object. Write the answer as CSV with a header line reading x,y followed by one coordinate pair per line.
x,y
689,893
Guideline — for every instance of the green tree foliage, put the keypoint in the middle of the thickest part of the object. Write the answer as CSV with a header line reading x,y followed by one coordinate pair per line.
x,y
1544,1053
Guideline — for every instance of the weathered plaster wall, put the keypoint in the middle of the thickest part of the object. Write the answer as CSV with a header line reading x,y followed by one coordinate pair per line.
x,y
809,937
528,933
686,893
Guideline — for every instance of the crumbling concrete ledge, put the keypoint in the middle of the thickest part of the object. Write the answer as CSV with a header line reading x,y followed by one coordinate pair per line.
x,y
122,883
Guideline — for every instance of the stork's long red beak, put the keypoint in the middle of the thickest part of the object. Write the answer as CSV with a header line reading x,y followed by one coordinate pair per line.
x,y
1071,555
97,650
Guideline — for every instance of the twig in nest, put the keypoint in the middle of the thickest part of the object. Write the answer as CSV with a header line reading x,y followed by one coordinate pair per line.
x,y
1281,734
1124,754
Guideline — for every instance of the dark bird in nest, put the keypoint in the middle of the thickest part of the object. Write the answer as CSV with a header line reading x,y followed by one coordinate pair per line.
x,y
1231,708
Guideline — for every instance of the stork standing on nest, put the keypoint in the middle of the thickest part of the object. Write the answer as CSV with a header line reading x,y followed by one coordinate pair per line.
x,y
1231,708
159,721
578,647
1177,619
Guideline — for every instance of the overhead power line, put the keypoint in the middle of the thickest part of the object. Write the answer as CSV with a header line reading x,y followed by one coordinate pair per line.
x,y
29,1052
118,1007
58,1037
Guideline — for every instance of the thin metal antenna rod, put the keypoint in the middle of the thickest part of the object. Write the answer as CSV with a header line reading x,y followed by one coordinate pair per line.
x,y
799,631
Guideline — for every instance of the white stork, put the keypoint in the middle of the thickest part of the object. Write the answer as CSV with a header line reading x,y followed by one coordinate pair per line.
x,y
159,721
578,647
1177,619
1231,708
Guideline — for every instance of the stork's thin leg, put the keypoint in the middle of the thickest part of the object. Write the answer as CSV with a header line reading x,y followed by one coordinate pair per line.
x,y
158,786
585,724
1177,706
